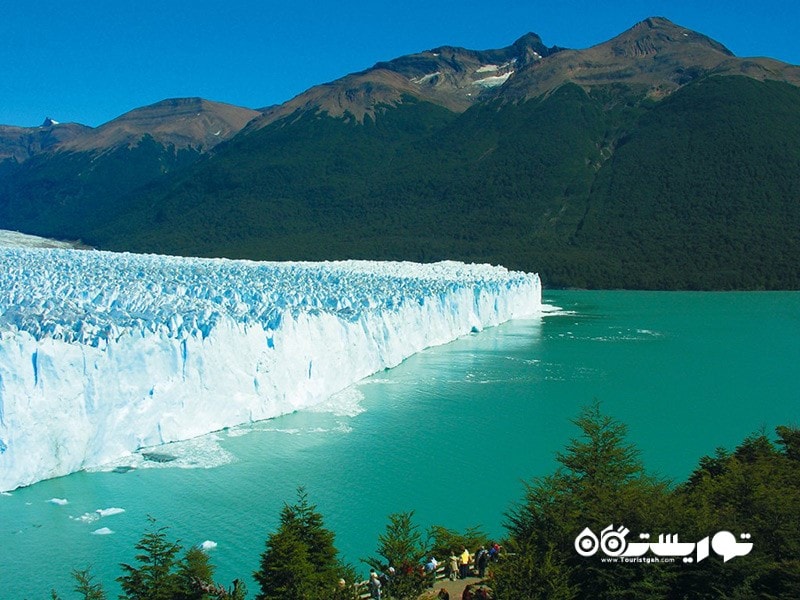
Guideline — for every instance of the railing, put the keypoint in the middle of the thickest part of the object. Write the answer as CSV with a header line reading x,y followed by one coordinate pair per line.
x,y
441,573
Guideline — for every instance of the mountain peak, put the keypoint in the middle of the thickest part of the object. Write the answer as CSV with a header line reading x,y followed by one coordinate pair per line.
x,y
449,76
182,122
655,35
48,122
655,56
530,39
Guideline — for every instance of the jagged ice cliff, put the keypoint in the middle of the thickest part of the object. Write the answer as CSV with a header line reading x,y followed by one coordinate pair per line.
x,y
102,353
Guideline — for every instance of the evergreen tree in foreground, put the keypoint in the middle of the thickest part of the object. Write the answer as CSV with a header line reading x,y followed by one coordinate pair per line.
x,y
401,548
600,482
159,574
300,561
753,490
153,578
85,586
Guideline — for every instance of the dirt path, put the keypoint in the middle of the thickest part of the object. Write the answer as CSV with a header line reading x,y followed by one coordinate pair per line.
x,y
454,588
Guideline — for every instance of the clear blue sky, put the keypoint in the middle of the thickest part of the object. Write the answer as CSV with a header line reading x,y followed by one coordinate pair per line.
x,y
89,61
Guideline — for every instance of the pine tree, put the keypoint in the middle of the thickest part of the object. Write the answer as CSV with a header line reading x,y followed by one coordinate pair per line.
x,y
195,572
85,586
753,489
286,571
300,560
600,482
400,547
153,578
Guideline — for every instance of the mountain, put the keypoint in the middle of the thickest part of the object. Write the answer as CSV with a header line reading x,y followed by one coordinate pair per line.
x,y
655,160
455,78
21,143
655,56
61,180
179,122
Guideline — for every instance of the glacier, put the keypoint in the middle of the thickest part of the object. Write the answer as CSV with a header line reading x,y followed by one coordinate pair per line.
x,y
105,353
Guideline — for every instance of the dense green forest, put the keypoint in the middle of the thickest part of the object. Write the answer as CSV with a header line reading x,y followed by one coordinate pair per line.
x,y
748,496
67,194
600,189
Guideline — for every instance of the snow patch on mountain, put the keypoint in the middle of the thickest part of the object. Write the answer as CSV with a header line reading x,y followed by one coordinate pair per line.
x,y
425,78
494,80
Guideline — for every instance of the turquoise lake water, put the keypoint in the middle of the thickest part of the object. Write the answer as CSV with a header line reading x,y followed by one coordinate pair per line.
x,y
451,433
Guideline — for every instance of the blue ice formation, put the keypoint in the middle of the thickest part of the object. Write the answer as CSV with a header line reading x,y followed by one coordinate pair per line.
x,y
105,353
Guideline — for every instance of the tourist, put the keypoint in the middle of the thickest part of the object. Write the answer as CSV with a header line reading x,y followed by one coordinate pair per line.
x,y
464,564
494,552
430,570
453,567
481,560
374,586
386,580
443,594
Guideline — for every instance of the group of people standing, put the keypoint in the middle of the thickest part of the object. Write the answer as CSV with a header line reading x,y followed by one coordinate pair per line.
x,y
460,564
376,582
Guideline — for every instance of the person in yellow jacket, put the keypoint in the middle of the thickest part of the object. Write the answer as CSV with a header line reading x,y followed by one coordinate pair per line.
x,y
464,566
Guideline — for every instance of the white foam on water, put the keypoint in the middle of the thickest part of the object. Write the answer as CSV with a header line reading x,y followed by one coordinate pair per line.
x,y
549,310
108,512
238,431
58,501
203,452
207,545
378,380
102,531
627,335
649,332
286,430
346,403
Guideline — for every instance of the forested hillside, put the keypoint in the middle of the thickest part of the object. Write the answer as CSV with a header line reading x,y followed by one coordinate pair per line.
x,y
601,189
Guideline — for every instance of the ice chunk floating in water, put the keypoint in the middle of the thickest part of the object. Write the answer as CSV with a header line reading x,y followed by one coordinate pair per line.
x,y
104,353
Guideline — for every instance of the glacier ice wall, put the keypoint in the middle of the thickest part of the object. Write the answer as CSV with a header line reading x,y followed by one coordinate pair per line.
x,y
104,353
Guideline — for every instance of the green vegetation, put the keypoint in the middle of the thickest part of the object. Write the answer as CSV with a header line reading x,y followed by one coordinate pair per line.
x,y
300,562
698,196
68,194
600,483
401,548
158,574
605,189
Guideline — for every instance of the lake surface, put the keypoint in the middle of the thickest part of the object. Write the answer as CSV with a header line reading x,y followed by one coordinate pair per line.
x,y
451,434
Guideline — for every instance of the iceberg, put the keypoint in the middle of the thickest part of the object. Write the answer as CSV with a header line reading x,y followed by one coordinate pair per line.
x,y
105,353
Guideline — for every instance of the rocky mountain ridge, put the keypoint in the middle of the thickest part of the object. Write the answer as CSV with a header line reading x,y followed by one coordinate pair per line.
x,y
655,55
179,122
